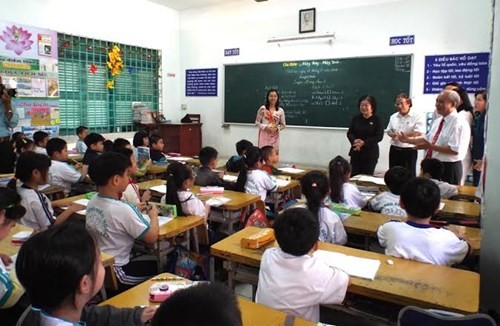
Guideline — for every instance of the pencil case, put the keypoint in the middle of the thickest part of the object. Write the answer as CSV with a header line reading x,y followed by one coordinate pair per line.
x,y
259,239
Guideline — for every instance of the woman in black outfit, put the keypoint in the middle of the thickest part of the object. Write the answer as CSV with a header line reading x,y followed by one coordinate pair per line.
x,y
365,132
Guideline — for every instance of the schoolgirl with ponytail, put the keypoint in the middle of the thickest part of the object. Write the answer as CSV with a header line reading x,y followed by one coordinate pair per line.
x,y
180,179
251,178
341,191
315,188
32,170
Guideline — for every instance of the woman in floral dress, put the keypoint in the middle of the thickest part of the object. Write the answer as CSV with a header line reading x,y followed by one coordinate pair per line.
x,y
270,120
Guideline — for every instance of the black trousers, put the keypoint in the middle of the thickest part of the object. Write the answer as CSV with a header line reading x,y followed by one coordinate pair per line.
x,y
476,176
7,157
452,172
364,161
405,157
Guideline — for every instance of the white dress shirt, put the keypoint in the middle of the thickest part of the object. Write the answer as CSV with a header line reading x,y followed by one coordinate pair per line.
x,y
411,122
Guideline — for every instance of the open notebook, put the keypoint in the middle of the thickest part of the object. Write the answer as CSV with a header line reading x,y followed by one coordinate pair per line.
x,y
354,266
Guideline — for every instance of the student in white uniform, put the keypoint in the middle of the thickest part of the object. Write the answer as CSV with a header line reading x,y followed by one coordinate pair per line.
x,y
416,239
60,286
341,191
10,288
40,138
291,278
388,201
180,180
60,172
33,171
80,146
252,179
431,168
315,187
132,194
119,224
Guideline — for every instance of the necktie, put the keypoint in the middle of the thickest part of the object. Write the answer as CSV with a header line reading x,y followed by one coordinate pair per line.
x,y
436,136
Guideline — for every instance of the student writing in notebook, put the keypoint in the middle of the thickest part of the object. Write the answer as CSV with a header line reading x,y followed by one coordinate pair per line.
x,y
416,239
290,277
33,171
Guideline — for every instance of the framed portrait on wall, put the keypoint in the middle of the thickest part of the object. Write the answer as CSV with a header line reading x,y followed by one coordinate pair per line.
x,y
307,20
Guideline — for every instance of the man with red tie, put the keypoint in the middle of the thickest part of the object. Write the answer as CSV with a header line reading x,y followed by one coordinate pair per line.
x,y
448,137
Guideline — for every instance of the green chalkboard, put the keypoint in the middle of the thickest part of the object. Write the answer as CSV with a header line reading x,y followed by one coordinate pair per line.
x,y
316,93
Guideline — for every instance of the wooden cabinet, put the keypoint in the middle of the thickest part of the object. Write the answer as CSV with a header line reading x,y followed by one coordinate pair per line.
x,y
184,138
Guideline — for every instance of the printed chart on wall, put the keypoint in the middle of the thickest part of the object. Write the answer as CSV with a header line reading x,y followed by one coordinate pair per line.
x,y
29,63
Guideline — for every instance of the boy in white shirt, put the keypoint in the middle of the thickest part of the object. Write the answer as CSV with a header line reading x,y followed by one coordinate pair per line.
x,y
81,132
291,278
388,201
416,239
118,224
40,138
60,172
432,168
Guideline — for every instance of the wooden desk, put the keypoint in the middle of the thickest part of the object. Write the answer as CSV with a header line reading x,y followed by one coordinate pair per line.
x,y
469,191
75,157
190,161
145,185
253,314
54,192
155,170
230,210
405,283
7,175
456,208
6,246
368,223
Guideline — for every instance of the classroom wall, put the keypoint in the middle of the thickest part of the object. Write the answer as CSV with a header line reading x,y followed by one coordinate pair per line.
x,y
134,22
490,244
362,28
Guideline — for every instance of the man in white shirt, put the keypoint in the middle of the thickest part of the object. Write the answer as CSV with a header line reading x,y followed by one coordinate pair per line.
x,y
291,278
448,138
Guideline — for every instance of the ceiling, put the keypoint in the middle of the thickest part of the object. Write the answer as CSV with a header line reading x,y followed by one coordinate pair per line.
x,y
189,4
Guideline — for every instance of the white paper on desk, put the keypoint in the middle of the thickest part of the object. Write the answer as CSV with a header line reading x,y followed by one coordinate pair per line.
x,y
354,266
441,206
22,235
162,189
282,183
368,194
217,201
83,202
375,180
291,170
162,220
230,178
180,158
